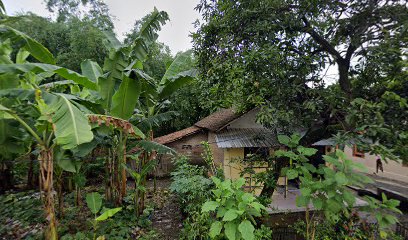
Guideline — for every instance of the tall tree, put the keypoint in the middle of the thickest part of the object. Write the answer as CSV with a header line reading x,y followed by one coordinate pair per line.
x,y
70,42
275,54
94,10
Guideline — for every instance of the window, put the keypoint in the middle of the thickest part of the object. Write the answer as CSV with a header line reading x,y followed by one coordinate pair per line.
x,y
357,152
187,147
262,152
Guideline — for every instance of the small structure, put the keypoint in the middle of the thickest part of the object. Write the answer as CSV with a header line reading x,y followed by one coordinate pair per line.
x,y
389,169
188,141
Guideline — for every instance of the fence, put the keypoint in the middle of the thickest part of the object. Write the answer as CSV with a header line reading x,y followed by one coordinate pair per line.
x,y
402,230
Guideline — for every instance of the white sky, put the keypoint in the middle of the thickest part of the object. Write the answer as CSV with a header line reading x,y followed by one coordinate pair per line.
x,y
175,33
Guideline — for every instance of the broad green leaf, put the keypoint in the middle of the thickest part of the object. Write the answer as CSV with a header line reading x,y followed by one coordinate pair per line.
x,y
302,201
111,40
283,139
5,113
238,183
291,174
153,24
150,146
209,206
247,230
171,85
94,202
317,203
306,151
248,197
215,229
341,178
71,126
230,215
66,164
295,138
107,214
230,230
125,99
156,120
42,68
176,66
91,70
305,191
37,50
22,55
349,198
258,206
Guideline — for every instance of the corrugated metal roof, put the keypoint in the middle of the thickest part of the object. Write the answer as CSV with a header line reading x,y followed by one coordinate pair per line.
x,y
246,137
325,142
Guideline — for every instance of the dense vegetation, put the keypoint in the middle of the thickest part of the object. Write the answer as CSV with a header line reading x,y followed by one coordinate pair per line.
x,y
276,55
79,110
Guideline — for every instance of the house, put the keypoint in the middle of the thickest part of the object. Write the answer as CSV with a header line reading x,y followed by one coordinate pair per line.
x,y
232,136
391,170
188,141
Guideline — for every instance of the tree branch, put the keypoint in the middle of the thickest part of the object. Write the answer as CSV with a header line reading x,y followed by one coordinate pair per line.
x,y
320,40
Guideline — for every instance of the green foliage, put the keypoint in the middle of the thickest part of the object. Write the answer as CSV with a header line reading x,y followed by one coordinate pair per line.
x,y
190,185
351,227
326,187
37,50
381,210
70,42
94,202
24,208
235,210
275,55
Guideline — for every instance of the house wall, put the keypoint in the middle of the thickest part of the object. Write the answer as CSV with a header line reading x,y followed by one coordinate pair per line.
x,y
218,153
165,166
232,168
392,170
248,120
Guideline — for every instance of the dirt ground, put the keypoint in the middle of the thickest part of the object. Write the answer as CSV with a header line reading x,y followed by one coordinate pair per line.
x,y
167,219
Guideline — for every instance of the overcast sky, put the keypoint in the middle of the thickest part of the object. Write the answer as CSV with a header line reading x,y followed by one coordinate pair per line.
x,y
175,33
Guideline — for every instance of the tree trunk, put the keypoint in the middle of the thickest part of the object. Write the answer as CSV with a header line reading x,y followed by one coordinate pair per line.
x,y
30,173
60,195
108,177
122,158
46,182
344,80
6,176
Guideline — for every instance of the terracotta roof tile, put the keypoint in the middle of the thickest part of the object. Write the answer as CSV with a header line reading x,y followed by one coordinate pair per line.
x,y
218,119
177,135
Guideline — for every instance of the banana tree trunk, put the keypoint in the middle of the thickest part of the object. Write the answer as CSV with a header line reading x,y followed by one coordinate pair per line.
x,y
108,177
30,172
46,181
122,153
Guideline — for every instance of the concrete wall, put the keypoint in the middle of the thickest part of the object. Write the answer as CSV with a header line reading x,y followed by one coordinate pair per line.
x,y
166,166
233,168
217,152
392,170
248,120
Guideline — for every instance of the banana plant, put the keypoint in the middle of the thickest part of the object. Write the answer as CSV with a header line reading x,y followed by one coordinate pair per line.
x,y
94,203
54,120
123,86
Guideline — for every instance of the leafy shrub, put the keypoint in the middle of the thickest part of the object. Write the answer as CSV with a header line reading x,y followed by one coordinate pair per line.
x,y
190,185
347,227
235,210
21,212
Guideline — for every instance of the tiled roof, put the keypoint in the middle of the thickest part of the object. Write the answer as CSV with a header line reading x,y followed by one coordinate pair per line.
x,y
218,119
177,135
